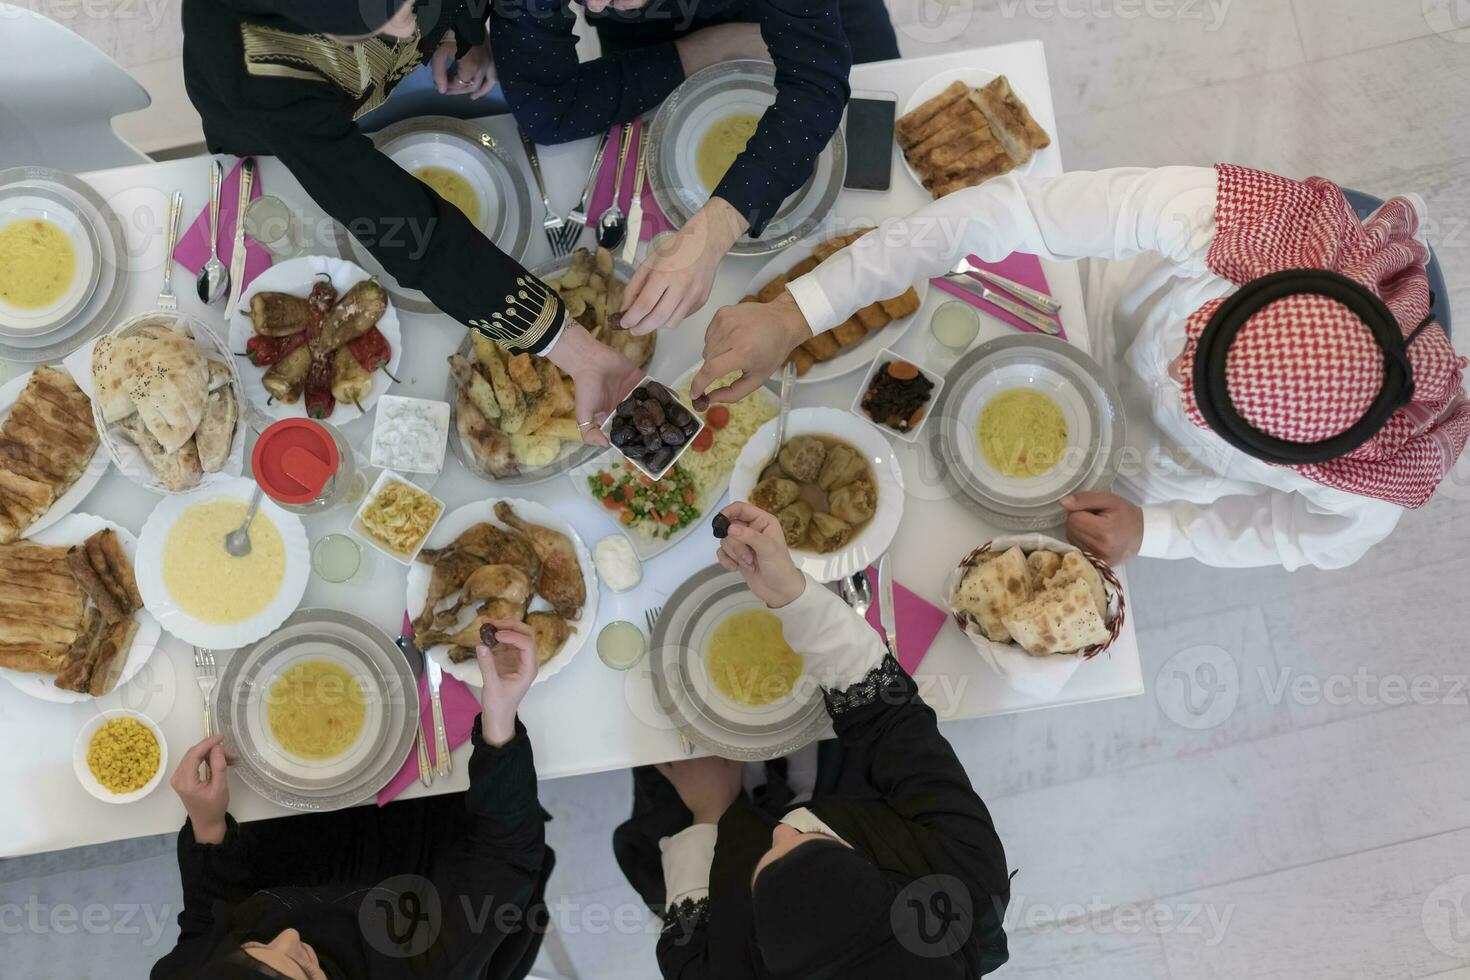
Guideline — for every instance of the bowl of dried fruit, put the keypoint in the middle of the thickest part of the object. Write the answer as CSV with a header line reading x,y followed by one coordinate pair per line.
x,y
896,395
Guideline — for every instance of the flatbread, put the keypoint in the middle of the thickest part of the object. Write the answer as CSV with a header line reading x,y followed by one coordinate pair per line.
x,y
113,361
170,388
991,589
1063,619
216,432
1041,566
1075,567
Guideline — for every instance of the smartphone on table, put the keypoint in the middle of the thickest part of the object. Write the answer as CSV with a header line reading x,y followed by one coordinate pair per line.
x,y
869,137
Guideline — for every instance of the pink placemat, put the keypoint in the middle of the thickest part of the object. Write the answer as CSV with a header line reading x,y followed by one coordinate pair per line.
x,y
460,708
1018,266
193,248
918,621
654,221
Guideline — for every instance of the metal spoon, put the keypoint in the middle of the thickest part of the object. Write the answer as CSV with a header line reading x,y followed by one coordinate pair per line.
x,y
214,278
237,542
612,225
787,377
856,592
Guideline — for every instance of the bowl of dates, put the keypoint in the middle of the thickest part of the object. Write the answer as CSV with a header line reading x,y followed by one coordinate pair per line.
x,y
652,428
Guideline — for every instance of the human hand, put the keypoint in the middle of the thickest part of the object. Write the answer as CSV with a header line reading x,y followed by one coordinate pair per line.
x,y
707,786
474,71
675,278
205,800
602,377
1104,524
506,672
756,548
752,338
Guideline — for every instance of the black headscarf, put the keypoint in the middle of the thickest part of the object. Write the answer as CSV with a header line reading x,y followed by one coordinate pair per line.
x,y
343,17
827,911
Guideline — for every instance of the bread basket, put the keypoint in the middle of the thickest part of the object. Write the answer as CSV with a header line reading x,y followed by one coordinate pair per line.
x,y
1039,676
121,450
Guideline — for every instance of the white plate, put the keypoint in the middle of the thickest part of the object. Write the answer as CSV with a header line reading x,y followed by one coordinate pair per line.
x,y
297,277
42,320
220,636
77,492
450,526
873,540
74,529
859,355
84,742
647,547
975,78
414,153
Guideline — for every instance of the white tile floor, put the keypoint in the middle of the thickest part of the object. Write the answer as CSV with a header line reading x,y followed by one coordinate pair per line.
x,y
1290,799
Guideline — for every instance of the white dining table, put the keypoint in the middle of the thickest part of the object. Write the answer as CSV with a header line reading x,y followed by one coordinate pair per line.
x,y
588,718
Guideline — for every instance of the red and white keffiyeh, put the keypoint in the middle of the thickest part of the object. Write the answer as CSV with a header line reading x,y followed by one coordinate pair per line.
x,y
1305,367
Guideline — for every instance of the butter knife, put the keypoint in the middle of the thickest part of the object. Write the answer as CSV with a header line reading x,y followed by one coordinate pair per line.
x,y
1025,313
443,763
635,210
237,253
886,614
416,664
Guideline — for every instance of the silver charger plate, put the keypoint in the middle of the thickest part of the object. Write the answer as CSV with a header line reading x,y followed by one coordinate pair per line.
x,y
706,97
505,199
700,712
572,454
105,231
391,699
1088,399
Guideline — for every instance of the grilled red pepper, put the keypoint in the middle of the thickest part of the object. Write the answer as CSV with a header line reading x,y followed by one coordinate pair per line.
x,y
371,350
264,351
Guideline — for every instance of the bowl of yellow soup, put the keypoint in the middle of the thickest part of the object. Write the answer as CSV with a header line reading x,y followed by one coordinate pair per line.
x,y
725,677
702,128
120,755
322,712
1023,421
202,594
48,266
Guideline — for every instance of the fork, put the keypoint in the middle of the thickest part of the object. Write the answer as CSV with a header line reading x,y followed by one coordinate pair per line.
x,y
204,673
167,301
579,213
554,224
651,618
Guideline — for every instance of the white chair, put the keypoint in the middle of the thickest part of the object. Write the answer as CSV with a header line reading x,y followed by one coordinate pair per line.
x,y
60,96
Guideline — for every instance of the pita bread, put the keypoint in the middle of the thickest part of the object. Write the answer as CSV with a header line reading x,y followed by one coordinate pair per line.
x,y
991,589
1059,620
113,361
216,431
170,387
1074,567
1040,566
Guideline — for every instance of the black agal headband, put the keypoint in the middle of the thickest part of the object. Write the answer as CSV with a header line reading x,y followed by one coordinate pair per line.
x,y
1212,396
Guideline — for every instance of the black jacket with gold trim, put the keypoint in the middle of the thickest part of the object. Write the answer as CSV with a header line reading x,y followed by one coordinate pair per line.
x,y
263,84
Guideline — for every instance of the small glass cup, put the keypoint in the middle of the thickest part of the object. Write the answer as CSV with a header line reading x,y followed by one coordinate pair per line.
x,y
271,222
340,560
621,645
953,327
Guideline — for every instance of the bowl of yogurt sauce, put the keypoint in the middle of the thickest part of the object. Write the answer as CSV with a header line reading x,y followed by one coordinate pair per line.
x,y
410,434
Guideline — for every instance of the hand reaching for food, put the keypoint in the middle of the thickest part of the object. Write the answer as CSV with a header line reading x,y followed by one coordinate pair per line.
x,y
707,786
755,546
752,338
507,659
474,71
1104,524
602,377
674,280
206,799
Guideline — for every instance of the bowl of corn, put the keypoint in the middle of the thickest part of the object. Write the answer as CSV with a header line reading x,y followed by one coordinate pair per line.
x,y
120,756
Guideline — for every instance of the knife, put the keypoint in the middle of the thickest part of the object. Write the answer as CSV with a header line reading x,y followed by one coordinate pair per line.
x,y
885,604
635,210
237,254
1035,297
1025,313
415,660
443,762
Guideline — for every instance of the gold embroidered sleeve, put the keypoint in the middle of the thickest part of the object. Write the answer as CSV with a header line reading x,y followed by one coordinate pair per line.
x,y
530,318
